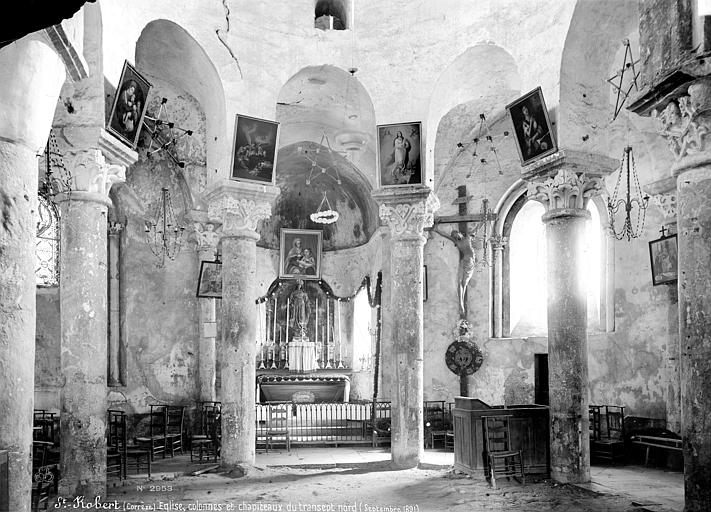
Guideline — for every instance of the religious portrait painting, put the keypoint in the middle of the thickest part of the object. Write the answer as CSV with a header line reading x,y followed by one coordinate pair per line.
x,y
129,106
255,149
300,253
210,280
532,127
663,258
400,154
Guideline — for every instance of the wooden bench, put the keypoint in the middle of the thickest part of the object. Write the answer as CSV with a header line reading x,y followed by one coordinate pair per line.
x,y
665,443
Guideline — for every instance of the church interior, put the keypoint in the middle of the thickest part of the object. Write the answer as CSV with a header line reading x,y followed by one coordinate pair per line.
x,y
236,228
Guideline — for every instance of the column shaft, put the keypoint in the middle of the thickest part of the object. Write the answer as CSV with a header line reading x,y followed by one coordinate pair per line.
x,y
239,350
114,366
83,292
18,175
694,221
407,349
567,347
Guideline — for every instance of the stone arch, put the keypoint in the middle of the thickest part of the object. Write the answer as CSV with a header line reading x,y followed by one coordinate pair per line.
x,y
482,79
337,10
594,38
170,52
327,100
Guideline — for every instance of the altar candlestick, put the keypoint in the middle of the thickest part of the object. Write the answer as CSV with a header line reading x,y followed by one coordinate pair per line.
x,y
275,315
328,320
288,302
259,323
316,323
340,338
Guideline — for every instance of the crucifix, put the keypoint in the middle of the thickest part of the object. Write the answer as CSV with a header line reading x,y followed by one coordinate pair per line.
x,y
463,239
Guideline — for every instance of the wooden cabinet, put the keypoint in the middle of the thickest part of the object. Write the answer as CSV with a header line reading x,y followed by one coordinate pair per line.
x,y
529,426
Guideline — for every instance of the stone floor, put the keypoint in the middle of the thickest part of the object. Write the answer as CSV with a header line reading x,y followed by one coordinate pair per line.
x,y
360,479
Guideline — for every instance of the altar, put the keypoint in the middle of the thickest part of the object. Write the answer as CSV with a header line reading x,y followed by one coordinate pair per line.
x,y
315,388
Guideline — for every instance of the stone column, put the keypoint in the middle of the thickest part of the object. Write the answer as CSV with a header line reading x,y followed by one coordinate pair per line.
x,y
564,197
239,206
685,123
206,237
84,323
114,366
498,243
407,211
30,82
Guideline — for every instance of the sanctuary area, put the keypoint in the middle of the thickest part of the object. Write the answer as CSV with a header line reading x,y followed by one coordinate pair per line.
x,y
237,228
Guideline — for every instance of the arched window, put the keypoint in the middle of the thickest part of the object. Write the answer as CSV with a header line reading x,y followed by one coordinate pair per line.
x,y
330,15
47,248
362,340
521,281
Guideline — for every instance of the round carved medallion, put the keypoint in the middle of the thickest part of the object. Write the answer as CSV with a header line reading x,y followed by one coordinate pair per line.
x,y
463,357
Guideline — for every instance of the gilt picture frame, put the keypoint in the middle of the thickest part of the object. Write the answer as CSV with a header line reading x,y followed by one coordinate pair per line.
x,y
400,154
210,280
300,253
663,257
532,127
129,106
254,155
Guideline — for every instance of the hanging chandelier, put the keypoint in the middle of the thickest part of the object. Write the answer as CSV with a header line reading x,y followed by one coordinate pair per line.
x,y
324,214
627,197
489,152
164,134
163,234
57,177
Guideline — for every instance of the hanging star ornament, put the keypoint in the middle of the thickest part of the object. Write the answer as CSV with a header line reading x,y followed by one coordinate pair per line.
x,y
617,80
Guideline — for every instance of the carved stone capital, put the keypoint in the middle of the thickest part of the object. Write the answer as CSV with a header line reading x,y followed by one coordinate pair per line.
x,y
92,176
114,228
685,122
238,207
407,212
666,203
498,242
206,236
566,191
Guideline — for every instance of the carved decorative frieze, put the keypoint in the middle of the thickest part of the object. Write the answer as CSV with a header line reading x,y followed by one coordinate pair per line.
x,y
407,219
685,121
565,190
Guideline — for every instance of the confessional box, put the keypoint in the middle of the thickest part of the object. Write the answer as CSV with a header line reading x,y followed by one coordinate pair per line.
x,y
529,425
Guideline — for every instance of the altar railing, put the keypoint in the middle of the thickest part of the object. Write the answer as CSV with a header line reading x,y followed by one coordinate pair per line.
x,y
329,423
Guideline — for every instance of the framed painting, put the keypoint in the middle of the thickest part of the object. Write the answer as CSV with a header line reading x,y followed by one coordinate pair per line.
x,y
532,127
663,259
300,253
400,154
210,280
129,106
255,149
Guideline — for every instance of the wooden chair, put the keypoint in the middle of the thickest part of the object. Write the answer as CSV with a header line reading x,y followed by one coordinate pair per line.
x,y
595,415
156,439
497,438
278,425
45,476
117,444
449,440
435,422
205,443
175,416
610,445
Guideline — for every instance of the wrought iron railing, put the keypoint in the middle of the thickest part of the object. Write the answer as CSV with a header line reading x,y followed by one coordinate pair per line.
x,y
329,423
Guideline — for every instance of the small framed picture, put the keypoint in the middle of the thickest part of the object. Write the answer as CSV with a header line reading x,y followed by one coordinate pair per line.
x,y
532,127
663,258
129,106
210,280
255,149
400,154
300,253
